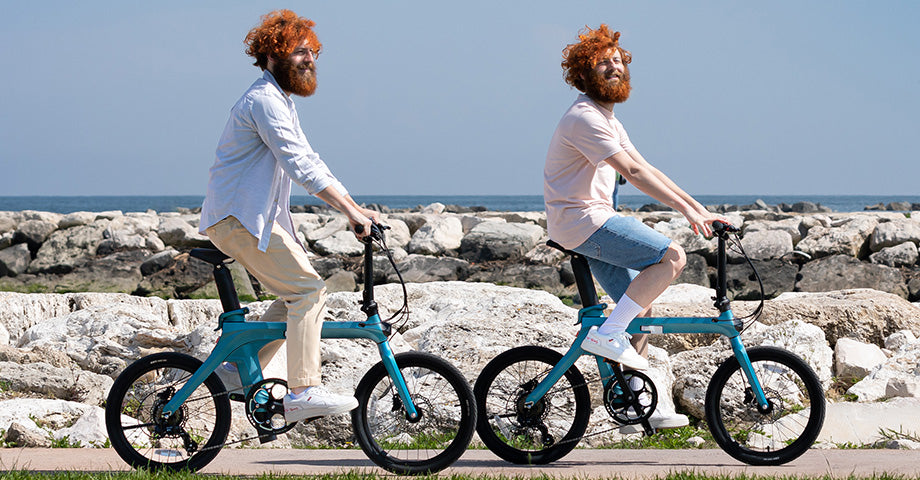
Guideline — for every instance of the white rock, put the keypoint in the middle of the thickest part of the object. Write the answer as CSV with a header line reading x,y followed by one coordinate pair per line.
x,y
903,366
862,423
896,232
20,310
686,293
55,416
342,242
855,359
899,339
100,339
805,340
903,255
437,236
436,208
398,236
76,218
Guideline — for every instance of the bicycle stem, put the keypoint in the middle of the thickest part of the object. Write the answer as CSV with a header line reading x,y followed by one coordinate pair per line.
x,y
721,301
368,305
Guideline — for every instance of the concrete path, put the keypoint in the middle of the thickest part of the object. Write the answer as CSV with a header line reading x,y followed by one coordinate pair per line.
x,y
581,463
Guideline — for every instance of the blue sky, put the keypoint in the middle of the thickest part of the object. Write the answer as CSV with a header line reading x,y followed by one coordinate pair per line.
x,y
769,98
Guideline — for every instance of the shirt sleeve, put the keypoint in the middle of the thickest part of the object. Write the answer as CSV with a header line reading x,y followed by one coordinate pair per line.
x,y
277,128
594,137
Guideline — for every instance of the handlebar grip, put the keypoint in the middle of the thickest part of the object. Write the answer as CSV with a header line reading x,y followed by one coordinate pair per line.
x,y
718,227
376,229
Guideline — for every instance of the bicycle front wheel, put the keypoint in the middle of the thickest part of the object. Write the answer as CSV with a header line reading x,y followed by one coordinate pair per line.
x,y
789,425
188,439
429,443
536,434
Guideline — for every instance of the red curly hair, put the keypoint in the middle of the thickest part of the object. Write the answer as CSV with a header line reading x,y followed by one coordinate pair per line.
x,y
579,57
279,34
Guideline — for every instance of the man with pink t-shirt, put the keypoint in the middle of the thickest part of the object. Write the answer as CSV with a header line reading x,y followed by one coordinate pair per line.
x,y
632,262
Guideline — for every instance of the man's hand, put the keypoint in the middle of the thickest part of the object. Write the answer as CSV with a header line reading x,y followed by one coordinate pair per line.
x,y
364,217
356,218
701,221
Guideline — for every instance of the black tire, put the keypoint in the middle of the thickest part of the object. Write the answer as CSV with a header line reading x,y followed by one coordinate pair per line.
x,y
543,433
143,441
766,438
429,444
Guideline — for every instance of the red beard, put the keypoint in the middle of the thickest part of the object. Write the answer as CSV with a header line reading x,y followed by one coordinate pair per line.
x,y
598,88
292,81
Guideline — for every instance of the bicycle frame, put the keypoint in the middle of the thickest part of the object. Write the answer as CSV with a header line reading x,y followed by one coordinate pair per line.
x,y
593,315
240,341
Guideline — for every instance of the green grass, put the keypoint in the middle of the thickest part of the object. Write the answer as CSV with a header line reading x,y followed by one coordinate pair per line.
x,y
670,438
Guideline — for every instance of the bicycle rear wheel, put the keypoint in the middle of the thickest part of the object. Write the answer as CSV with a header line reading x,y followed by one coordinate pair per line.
x,y
428,444
190,438
786,429
542,433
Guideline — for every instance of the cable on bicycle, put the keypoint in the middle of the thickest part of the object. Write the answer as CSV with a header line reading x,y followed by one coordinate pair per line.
x,y
401,316
734,244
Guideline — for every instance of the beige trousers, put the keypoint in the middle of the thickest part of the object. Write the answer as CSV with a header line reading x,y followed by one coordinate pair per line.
x,y
284,270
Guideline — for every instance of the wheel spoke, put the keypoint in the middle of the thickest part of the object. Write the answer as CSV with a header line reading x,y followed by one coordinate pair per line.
x,y
790,425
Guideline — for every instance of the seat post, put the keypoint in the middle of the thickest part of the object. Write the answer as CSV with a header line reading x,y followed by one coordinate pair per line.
x,y
583,280
225,289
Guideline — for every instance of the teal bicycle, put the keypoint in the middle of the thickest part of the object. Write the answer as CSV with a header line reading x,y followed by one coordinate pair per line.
x,y
764,405
416,412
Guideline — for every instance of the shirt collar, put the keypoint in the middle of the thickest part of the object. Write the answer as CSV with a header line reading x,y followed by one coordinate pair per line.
x,y
584,98
268,77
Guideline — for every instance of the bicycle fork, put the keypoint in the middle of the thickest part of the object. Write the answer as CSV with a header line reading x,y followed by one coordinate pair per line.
x,y
756,388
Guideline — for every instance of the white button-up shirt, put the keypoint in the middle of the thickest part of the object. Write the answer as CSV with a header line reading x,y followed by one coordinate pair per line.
x,y
262,150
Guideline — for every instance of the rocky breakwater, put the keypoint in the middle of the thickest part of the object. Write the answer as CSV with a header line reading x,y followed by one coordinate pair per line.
x,y
839,283
59,354
145,253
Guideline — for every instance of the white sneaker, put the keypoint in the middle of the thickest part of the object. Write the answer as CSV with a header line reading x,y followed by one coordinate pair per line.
x,y
229,376
615,347
316,402
659,420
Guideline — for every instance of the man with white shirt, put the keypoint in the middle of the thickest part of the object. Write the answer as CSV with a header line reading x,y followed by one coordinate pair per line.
x,y
631,261
246,212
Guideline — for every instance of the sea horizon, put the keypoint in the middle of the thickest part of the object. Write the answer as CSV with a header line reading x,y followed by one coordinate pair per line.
x,y
170,203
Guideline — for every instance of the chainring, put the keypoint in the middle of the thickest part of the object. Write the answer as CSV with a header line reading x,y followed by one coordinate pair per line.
x,y
619,405
265,406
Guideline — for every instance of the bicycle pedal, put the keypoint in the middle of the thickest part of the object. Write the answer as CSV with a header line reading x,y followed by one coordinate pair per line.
x,y
268,437
237,397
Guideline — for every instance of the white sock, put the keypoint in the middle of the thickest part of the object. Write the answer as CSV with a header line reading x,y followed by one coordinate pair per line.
x,y
625,311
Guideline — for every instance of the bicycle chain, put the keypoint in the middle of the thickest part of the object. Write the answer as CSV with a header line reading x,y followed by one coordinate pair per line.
x,y
579,439
241,440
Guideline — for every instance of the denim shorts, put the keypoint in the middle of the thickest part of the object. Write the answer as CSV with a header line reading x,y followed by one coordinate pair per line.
x,y
619,250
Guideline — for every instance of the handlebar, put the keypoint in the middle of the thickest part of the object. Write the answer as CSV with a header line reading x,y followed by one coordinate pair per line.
x,y
376,230
720,227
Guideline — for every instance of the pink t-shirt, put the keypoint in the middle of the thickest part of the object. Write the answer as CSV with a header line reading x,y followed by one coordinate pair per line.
x,y
577,181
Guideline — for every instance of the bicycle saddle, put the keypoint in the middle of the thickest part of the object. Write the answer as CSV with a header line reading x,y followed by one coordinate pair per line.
x,y
210,255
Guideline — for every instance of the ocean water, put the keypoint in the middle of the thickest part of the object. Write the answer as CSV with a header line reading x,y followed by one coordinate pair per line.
x,y
519,203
